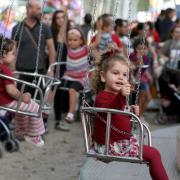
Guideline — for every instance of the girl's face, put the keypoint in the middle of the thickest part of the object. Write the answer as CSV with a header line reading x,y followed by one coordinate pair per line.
x,y
141,50
60,19
10,57
74,41
115,77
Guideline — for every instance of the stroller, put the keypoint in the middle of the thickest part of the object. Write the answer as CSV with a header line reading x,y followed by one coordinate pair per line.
x,y
169,87
10,143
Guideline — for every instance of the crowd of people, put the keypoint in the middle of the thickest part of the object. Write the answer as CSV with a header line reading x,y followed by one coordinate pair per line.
x,y
129,58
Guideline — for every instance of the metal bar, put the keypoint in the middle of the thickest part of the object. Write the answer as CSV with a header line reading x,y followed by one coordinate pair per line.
x,y
20,98
141,140
149,138
89,126
137,120
38,84
83,120
108,131
28,84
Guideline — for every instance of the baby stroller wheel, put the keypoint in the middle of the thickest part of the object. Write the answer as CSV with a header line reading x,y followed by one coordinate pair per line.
x,y
16,145
10,145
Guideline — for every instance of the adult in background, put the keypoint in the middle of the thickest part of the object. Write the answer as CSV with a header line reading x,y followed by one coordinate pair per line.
x,y
60,26
86,27
27,53
26,58
121,30
166,24
7,23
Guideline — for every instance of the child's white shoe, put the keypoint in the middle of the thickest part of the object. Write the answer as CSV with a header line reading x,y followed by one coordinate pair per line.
x,y
36,140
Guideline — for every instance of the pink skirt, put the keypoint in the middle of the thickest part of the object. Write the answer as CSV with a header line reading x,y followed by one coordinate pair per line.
x,y
129,148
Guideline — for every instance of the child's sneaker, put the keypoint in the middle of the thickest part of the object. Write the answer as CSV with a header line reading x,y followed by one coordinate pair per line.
x,y
62,125
69,117
36,140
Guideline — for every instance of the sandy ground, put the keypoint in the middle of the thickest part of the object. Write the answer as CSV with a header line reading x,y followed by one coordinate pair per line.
x,y
59,159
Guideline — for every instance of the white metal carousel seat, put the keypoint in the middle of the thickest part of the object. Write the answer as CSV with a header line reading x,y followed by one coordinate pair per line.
x,y
85,93
45,83
24,84
87,117
57,66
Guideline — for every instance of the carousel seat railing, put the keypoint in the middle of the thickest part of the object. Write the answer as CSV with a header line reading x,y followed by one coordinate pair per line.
x,y
24,84
45,82
87,117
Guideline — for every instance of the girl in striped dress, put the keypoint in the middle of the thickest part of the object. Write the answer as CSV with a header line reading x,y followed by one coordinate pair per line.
x,y
76,68
31,128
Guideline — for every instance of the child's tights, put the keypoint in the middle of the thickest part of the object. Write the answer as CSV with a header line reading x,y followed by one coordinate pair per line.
x,y
156,168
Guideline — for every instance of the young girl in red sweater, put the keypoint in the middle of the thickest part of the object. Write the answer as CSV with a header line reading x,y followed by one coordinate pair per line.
x,y
31,128
112,85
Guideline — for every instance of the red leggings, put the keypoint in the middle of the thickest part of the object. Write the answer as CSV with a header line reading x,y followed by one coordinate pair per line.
x,y
156,168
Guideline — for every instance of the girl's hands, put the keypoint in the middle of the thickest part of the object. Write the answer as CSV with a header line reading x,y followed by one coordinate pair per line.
x,y
26,97
126,89
135,109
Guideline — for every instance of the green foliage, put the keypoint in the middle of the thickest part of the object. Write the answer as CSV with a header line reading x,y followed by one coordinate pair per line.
x,y
143,5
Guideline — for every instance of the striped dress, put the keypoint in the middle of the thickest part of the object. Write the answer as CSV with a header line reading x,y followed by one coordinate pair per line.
x,y
77,64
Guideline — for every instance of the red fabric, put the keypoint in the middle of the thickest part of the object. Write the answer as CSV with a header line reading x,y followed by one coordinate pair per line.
x,y
4,97
106,99
156,168
76,55
115,39
155,36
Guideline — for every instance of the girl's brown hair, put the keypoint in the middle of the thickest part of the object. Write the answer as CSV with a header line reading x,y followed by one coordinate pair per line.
x,y
6,45
103,64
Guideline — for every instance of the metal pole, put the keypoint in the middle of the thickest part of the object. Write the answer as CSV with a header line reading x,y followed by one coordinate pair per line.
x,y
108,130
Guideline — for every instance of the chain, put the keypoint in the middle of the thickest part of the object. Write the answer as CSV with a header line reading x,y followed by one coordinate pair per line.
x,y
129,28
116,8
86,104
86,79
127,107
39,40
21,27
141,61
113,127
19,30
18,27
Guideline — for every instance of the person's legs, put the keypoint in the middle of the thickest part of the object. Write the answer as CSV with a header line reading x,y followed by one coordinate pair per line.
x,y
31,127
72,100
59,108
74,88
156,168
